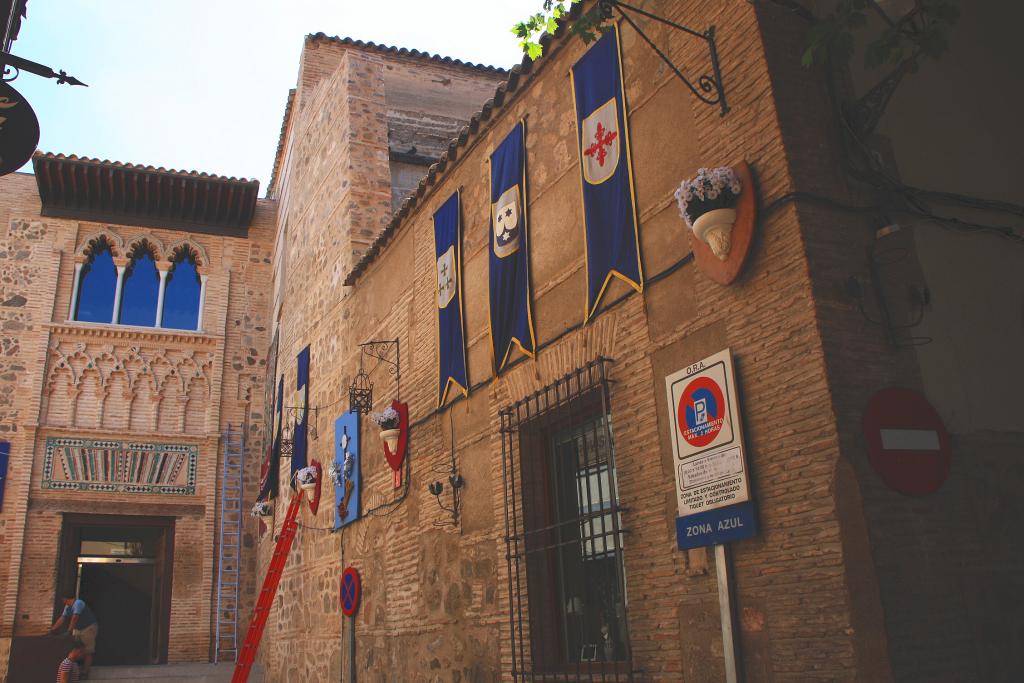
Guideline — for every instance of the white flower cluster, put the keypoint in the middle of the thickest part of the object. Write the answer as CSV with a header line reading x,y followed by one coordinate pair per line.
x,y
336,473
306,475
340,473
386,419
262,508
709,185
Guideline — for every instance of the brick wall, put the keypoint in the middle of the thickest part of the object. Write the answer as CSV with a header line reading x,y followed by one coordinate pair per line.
x,y
27,270
435,598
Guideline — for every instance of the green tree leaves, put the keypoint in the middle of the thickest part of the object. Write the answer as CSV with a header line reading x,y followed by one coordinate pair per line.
x,y
587,26
921,31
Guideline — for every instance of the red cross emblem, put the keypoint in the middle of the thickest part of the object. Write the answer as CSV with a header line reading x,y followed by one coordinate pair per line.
x,y
602,140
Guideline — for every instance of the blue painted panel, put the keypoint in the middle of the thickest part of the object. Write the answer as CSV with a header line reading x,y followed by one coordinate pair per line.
x,y
713,527
346,455
5,454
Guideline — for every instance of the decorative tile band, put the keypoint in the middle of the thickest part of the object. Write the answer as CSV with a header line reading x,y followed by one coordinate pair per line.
x,y
120,466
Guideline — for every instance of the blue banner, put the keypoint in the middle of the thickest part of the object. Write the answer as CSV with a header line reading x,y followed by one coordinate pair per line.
x,y
5,454
451,344
511,318
271,469
346,459
713,527
300,407
609,208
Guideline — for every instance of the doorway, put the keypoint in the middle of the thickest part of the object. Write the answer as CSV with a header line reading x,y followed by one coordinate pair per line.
x,y
121,567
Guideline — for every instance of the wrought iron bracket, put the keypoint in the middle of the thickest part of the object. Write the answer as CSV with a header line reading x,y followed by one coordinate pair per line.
x,y
294,413
865,113
20,64
381,350
455,481
709,88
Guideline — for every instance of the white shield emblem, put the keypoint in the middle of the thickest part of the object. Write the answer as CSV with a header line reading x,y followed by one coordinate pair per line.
x,y
299,404
600,151
446,283
506,222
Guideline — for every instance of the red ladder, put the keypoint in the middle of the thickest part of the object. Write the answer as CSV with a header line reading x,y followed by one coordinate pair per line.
x,y
259,615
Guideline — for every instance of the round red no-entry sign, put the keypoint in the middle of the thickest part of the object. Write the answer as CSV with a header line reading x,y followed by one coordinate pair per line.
x,y
908,445
350,589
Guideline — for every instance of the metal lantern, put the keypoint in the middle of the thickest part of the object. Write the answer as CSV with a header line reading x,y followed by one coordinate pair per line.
x,y
360,393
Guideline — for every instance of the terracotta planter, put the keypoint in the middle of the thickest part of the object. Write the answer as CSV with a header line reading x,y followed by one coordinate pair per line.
x,y
390,437
714,228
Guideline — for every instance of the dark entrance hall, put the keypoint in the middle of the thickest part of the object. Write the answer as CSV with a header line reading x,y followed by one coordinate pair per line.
x,y
122,597
120,566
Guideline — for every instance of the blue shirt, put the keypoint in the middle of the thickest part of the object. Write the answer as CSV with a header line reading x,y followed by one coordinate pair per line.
x,y
85,616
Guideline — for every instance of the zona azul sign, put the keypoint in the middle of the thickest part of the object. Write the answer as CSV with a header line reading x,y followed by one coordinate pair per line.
x,y
713,527
712,490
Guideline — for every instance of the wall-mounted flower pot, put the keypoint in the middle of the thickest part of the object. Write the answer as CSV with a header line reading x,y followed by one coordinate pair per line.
x,y
715,229
313,496
725,271
390,437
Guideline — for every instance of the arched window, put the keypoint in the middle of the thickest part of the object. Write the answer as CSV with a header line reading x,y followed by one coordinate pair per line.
x,y
97,284
141,288
181,293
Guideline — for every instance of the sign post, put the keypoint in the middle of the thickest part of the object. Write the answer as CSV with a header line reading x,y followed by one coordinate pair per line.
x,y
351,589
712,488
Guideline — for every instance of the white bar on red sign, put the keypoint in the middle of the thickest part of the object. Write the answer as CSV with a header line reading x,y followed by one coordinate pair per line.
x,y
910,439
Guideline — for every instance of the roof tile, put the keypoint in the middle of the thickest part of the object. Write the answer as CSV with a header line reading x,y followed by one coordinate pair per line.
x,y
391,49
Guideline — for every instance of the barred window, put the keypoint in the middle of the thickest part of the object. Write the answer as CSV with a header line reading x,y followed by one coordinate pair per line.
x,y
567,592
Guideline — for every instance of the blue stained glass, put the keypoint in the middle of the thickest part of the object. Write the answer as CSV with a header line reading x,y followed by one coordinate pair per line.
x,y
181,295
96,286
141,289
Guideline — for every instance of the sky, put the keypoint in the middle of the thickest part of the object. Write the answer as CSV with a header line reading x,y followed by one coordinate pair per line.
x,y
202,85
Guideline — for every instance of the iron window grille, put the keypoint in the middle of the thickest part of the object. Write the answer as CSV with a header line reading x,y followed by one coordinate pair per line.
x,y
564,534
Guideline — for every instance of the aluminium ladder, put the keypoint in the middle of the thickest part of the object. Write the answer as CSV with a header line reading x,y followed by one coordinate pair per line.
x,y
266,598
228,569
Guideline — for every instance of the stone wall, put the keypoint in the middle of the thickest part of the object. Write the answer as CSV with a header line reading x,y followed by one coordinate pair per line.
x,y
435,598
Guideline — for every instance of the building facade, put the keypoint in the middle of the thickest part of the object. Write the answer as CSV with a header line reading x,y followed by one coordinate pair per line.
x,y
555,557
847,579
130,352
